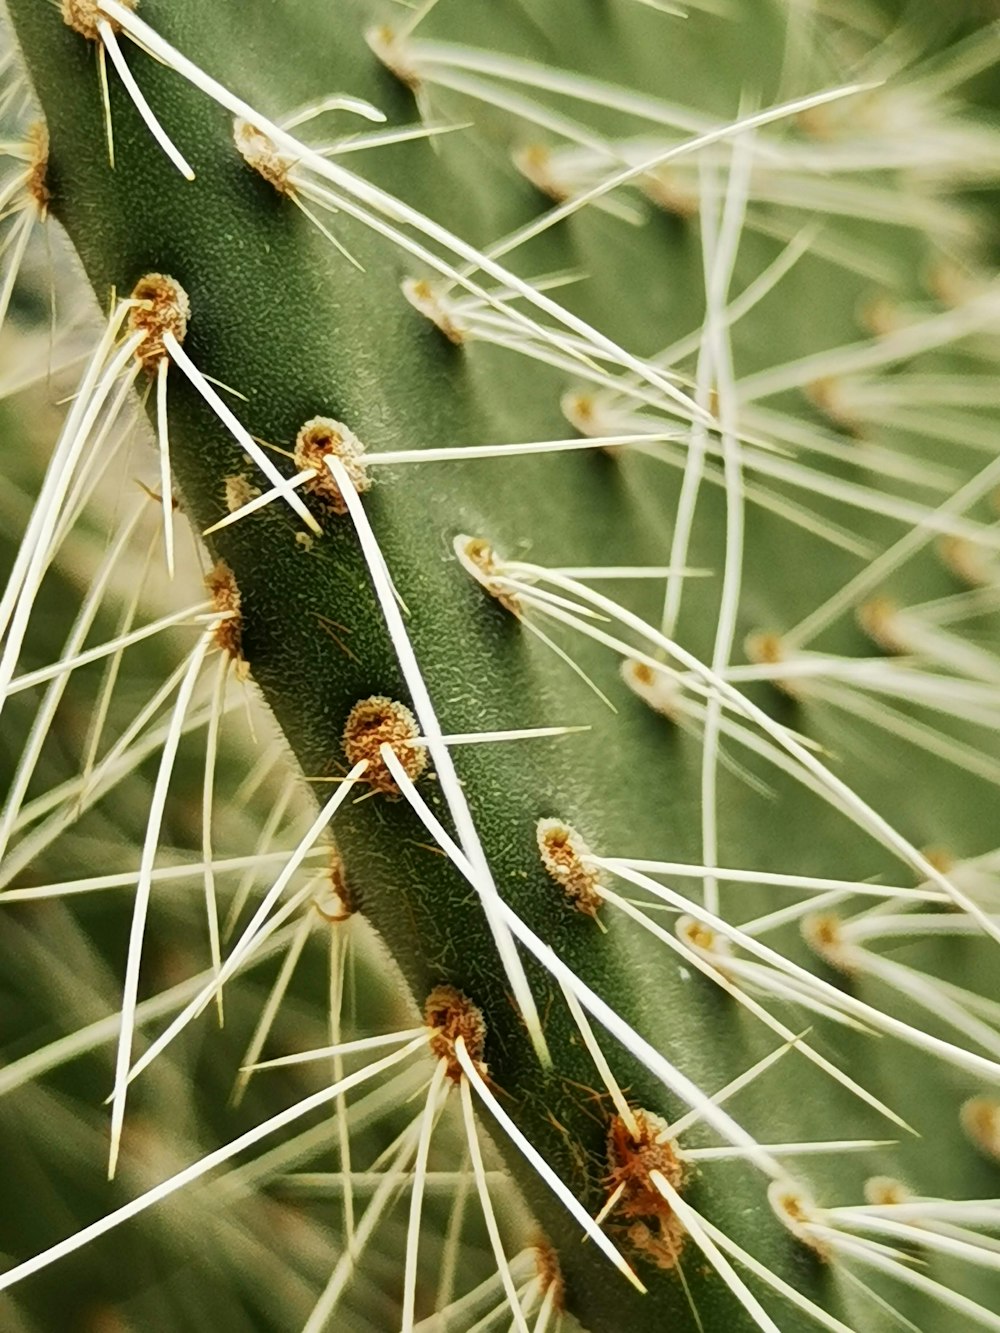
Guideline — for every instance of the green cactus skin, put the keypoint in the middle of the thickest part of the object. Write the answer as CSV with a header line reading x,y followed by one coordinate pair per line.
x,y
279,316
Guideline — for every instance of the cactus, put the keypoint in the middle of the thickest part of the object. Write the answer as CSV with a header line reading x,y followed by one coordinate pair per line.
x,y
610,589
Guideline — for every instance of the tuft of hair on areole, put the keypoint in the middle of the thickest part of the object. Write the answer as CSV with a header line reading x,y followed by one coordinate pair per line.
x,y
449,1014
549,1270
765,648
226,599
796,1211
878,619
377,721
161,306
316,441
660,692
824,933
261,153
335,901
478,558
980,1118
885,1191
388,47
83,16
37,180
565,857
422,296
643,1218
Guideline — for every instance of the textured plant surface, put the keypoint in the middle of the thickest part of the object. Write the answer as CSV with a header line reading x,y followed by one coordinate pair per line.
x,y
684,906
